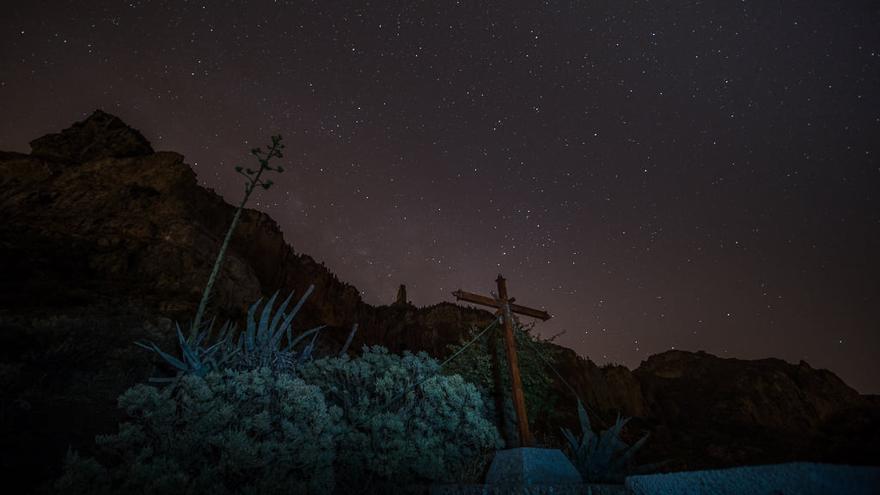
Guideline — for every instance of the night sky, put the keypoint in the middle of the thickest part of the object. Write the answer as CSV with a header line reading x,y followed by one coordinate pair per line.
x,y
668,174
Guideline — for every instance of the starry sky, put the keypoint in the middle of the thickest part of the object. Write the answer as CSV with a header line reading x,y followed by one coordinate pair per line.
x,y
697,175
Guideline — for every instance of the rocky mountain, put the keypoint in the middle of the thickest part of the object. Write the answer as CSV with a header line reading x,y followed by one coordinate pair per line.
x,y
104,241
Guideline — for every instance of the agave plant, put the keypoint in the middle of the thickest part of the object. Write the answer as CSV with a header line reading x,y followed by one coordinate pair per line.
x,y
266,342
603,457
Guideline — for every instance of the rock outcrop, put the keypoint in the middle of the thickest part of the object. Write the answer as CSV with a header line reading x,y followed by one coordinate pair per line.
x,y
104,241
737,412
100,136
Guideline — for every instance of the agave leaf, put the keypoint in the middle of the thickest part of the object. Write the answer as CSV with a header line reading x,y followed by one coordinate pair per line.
x,y
225,332
295,310
189,356
214,348
276,340
605,447
249,336
588,441
591,444
354,329
572,441
145,346
615,444
227,356
309,348
610,444
209,330
197,339
292,345
263,329
173,361
280,313
584,419
624,459
278,333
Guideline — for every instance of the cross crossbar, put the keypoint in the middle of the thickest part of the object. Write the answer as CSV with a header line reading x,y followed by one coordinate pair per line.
x,y
488,301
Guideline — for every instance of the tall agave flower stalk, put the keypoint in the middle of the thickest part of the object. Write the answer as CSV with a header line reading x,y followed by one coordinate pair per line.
x,y
254,179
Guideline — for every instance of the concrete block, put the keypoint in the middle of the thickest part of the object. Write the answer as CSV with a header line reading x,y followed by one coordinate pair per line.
x,y
532,466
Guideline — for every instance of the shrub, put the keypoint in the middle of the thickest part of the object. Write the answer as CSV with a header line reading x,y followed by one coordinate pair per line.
x,y
485,365
353,423
402,421
229,432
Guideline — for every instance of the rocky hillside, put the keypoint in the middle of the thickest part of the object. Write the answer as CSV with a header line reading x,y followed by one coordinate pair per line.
x,y
736,412
104,241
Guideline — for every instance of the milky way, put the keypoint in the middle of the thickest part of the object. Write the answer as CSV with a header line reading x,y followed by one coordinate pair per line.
x,y
657,175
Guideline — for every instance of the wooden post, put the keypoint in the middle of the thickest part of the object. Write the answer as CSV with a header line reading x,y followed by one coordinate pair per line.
x,y
505,307
519,400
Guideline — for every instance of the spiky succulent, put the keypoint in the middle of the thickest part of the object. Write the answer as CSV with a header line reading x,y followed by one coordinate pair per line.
x,y
603,457
266,342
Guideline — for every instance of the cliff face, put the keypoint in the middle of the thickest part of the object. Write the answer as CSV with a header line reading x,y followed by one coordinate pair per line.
x,y
769,393
139,225
104,241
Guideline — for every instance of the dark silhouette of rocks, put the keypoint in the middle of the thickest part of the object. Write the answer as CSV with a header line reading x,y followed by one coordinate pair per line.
x,y
736,412
401,296
104,241
101,135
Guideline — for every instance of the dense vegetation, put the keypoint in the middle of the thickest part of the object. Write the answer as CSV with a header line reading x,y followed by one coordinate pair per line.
x,y
484,363
402,420
222,433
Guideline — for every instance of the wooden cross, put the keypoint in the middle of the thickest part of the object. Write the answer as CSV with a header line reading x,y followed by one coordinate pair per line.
x,y
505,308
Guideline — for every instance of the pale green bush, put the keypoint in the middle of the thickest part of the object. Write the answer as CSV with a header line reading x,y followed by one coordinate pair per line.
x,y
403,421
352,423
231,432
